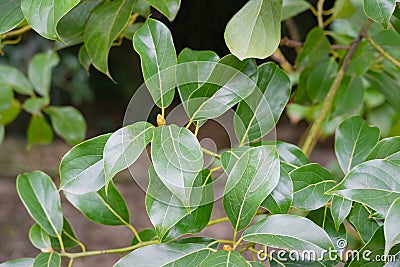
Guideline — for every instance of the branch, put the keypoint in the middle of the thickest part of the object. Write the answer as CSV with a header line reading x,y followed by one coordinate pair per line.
x,y
16,32
382,51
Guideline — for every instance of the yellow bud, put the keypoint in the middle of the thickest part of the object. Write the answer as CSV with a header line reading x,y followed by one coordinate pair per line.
x,y
227,248
160,120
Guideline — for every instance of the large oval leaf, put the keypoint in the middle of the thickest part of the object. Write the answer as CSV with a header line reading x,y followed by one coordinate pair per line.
x,y
165,255
251,179
354,139
81,169
379,10
288,232
125,146
40,197
168,8
391,226
15,79
224,258
255,31
10,15
43,16
153,42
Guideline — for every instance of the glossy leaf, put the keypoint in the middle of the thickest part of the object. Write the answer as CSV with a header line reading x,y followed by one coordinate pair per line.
x,y
375,183
103,27
209,242
39,71
68,123
280,199
255,31
40,197
10,15
125,146
23,262
14,78
242,197
310,182
43,16
6,98
102,208
39,238
315,48
258,113
388,148
51,259
379,10
224,258
177,160
39,131
340,209
354,139
391,226
287,232
165,255
292,8
365,225
153,42
168,8
81,169
34,105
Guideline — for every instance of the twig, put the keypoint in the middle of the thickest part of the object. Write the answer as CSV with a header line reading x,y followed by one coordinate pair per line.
x,y
382,51
293,43
16,32
279,58
320,13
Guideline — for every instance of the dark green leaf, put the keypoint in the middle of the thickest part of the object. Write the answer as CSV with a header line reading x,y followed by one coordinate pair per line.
x,y
39,71
280,199
105,24
43,16
153,42
391,226
291,156
292,8
102,208
11,113
310,182
81,169
40,197
10,15
255,30
388,148
39,131
84,58
206,241
379,10
340,209
14,78
315,48
354,139
349,97
343,9
362,59
51,259
168,8
147,234
224,258
6,98
34,105
23,262
68,237
360,218
165,255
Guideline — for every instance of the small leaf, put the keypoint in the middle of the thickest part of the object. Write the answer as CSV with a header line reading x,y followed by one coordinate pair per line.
x,y
310,182
354,139
68,123
388,148
153,42
125,146
255,31
102,208
39,238
168,8
34,105
280,199
147,234
287,232
40,197
379,10
14,78
23,262
165,255
349,97
224,258
105,24
39,71
315,48
81,169
340,209
391,226
10,15
141,7
51,259
6,98
39,131
43,16
292,8
84,58
9,115
365,225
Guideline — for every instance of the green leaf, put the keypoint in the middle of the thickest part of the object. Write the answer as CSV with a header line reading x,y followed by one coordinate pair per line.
x,y
34,105
292,8
72,26
343,9
177,160
349,97
340,209
2,133
168,8
209,242
290,261
10,15
354,139
365,225
39,131
84,58
310,182
280,199
40,197
39,238
68,123
153,42
141,7
375,183
23,262
6,98
102,208
9,115
379,10
105,24
147,234
291,156
39,71
130,30
125,146
51,259
258,113
315,48
386,82
394,262
287,232
165,255
242,197
388,148
43,16
391,226
81,169
255,31
68,237
224,258
14,78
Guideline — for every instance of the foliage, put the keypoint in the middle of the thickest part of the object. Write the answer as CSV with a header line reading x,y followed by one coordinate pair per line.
x,y
339,76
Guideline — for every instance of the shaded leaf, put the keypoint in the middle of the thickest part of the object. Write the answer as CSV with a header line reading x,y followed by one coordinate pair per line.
x,y
68,237
147,234
168,8
39,71
9,115
34,105
349,97
365,225
224,258
340,209
291,156
141,7
39,131
386,82
315,48
84,58
206,241
14,78
280,199
10,15
6,98
343,9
